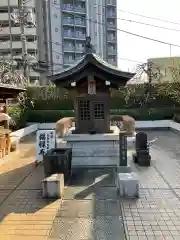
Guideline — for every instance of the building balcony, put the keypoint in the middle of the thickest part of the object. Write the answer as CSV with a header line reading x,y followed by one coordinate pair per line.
x,y
16,31
17,45
80,10
72,8
4,16
111,14
79,50
80,23
68,7
4,3
112,52
73,22
111,27
69,48
67,21
74,36
112,39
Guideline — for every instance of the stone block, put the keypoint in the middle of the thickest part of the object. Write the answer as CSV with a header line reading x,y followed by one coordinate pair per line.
x,y
53,186
128,185
142,158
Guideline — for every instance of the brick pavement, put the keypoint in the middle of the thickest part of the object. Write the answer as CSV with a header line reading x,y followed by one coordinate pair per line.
x,y
156,215
23,212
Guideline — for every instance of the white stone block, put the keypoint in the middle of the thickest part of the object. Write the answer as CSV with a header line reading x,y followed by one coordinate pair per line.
x,y
128,185
53,186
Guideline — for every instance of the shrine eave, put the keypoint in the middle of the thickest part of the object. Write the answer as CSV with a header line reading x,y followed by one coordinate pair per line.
x,y
10,91
83,63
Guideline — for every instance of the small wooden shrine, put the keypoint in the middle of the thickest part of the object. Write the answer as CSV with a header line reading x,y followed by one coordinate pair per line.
x,y
90,79
6,92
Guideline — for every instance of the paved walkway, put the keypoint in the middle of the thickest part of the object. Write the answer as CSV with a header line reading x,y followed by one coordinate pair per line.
x,y
90,208
23,212
156,215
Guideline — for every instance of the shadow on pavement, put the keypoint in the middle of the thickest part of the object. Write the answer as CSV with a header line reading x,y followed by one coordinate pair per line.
x,y
90,208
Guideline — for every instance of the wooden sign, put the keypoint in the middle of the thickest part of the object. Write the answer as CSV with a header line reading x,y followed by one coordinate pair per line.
x,y
45,140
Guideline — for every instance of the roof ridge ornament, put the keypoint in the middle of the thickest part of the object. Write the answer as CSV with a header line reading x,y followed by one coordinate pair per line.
x,y
89,48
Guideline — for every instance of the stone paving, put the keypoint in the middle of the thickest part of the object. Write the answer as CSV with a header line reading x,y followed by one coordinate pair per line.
x,y
156,215
23,212
90,209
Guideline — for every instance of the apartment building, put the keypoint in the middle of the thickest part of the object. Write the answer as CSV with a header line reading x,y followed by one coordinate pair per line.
x,y
167,69
62,27
10,33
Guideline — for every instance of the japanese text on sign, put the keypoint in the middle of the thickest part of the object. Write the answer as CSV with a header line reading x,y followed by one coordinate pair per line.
x,y
45,140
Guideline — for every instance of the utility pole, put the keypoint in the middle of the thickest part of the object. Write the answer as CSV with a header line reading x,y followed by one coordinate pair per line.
x,y
20,16
10,30
23,38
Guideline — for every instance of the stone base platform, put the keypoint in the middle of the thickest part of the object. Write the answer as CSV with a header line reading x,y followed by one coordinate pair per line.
x,y
94,150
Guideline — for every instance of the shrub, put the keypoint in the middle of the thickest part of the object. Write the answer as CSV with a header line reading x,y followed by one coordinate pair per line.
x,y
18,118
47,116
147,113
138,114
52,98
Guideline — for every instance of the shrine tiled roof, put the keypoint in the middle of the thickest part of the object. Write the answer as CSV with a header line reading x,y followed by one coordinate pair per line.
x,y
92,59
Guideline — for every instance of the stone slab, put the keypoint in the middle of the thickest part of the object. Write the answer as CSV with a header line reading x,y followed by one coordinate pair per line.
x,y
53,186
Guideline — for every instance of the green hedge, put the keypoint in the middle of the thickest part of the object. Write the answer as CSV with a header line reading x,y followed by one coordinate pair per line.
x,y
139,114
52,98
47,115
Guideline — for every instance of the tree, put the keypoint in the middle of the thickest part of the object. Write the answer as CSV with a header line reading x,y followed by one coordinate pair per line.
x,y
172,88
8,75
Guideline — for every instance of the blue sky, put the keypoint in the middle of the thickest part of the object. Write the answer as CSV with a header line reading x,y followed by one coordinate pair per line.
x,y
139,49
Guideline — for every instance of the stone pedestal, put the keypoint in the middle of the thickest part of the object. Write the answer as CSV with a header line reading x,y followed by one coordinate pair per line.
x,y
53,186
128,185
142,158
97,150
